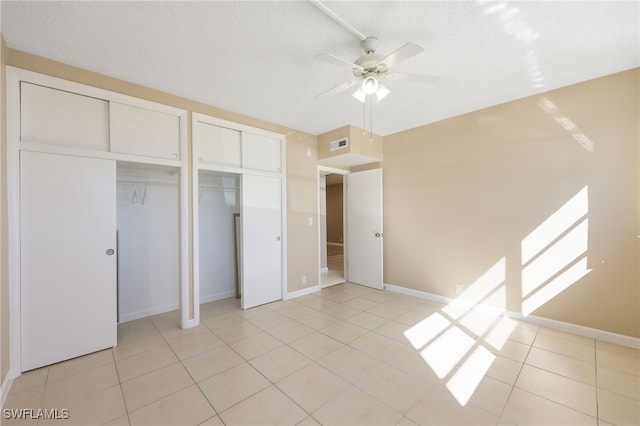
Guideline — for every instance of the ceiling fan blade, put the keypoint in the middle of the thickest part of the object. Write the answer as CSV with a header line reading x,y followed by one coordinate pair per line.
x,y
337,89
327,57
402,53
428,79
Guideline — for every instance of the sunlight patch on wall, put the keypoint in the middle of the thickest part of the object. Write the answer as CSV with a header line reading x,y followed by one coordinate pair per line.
x,y
571,212
567,278
481,288
554,254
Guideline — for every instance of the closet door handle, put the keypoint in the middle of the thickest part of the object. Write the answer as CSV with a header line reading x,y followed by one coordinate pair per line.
x,y
110,252
278,238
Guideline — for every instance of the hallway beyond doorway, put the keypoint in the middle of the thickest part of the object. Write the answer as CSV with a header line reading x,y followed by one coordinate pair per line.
x,y
335,266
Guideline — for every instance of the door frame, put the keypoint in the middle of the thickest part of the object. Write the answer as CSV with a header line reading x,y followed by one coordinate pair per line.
x,y
326,170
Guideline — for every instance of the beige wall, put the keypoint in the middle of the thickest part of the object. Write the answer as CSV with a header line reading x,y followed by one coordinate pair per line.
x,y
334,213
462,194
4,273
325,139
360,142
302,204
301,170
364,143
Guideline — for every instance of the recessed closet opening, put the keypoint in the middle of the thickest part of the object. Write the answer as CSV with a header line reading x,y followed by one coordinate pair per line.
x,y
219,235
148,240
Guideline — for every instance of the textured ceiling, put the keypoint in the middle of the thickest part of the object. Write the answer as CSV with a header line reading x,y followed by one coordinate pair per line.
x,y
259,58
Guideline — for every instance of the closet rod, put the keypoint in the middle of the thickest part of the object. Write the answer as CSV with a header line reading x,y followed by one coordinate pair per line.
x,y
145,182
218,188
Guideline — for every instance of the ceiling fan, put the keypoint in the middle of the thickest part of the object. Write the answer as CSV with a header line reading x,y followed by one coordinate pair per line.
x,y
372,67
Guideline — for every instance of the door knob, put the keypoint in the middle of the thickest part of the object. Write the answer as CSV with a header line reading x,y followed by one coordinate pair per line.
x,y
378,235
110,252
278,238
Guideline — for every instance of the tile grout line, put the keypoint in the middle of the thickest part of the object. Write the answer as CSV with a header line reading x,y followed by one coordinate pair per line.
x,y
595,361
124,401
513,386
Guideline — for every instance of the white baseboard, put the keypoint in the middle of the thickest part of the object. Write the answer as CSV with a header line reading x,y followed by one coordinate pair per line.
x,y
325,269
336,244
594,333
6,386
217,296
303,292
148,312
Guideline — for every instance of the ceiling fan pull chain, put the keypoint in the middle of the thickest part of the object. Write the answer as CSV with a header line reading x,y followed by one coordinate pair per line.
x,y
364,117
371,118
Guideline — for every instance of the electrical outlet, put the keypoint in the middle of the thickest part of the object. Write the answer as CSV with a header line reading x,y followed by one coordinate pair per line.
x,y
304,279
459,288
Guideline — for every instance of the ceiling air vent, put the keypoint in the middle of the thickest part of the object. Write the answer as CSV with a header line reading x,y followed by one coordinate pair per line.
x,y
338,144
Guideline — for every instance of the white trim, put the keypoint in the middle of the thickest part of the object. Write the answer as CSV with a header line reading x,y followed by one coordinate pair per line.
x,y
325,269
13,216
217,296
234,126
331,170
32,77
283,200
594,333
194,248
6,386
148,312
90,153
333,284
302,292
335,244
417,293
606,336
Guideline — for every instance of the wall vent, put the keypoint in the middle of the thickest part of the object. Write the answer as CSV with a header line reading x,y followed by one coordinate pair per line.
x,y
339,144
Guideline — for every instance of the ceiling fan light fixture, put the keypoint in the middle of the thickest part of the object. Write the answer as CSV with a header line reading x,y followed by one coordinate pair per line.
x,y
370,84
382,92
360,95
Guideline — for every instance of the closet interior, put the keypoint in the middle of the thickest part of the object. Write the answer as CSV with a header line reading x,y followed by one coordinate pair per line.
x,y
148,233
219,235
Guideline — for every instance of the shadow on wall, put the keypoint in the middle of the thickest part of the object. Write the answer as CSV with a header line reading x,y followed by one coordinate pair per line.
x,y
458,341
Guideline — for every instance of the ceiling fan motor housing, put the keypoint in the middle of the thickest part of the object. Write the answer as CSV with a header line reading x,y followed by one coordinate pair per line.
x,y
370,60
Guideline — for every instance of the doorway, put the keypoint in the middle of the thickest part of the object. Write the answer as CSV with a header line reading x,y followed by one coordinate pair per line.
x,y
358,257
332,226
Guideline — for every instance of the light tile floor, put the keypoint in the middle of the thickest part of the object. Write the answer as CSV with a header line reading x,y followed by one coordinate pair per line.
x,y
335,268
348,355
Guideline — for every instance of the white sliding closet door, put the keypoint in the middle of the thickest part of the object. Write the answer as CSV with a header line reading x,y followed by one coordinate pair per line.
x,y
261,240
68,261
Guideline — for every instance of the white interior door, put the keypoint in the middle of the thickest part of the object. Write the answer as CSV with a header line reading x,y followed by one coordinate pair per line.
x,y
364,228
261,217
67,259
